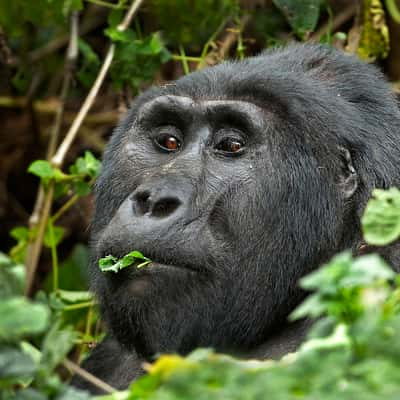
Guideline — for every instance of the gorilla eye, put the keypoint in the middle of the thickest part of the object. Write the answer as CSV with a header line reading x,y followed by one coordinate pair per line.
x,y
168,142
230,146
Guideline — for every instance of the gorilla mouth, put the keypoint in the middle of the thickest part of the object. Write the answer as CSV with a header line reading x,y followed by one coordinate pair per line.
x,y
139,267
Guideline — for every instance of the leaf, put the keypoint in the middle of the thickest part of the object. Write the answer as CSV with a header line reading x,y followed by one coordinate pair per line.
x,y
301,15
15,365
29,394
137,60
73,271
12,277
116,35
89,64
20,233
112,264
86,166
56,345
42,169
70,393
20,317
53,238
366,270
381,220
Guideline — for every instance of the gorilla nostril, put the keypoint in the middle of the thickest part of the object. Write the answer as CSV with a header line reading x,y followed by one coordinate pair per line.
x,y
142,202
165,207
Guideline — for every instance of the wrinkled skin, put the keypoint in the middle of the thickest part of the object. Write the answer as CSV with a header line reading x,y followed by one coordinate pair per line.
x,y
236,181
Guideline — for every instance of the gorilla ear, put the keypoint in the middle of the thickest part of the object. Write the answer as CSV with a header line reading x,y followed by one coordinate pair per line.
x,y
348,178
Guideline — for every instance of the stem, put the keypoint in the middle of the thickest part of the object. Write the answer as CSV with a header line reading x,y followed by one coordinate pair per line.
x,y
42,207
209,41
65,207
88,376
78,306
54,256
185,64
393,10
88,324
177,57
33,251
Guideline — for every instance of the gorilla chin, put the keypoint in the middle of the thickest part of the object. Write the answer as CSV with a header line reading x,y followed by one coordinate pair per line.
x,y
236,180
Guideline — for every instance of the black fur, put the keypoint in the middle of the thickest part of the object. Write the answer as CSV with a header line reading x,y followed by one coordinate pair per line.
x,y
321,130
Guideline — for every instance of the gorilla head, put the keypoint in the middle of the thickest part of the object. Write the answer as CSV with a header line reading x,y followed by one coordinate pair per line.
x,y
236,181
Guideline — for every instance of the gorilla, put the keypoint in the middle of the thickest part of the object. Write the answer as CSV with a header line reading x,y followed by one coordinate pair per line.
x,y
235,181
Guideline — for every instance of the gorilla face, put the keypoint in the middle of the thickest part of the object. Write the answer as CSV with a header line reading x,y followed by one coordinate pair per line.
x,y
236,181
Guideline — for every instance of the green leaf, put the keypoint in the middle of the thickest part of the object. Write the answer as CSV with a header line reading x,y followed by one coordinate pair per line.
x,y
15,365
381,220
29,394
137,60
301,15
73,271
89,64
86,166
12,277
56,345
23,235
20,317
70,393
20,233
54,239
112,264
42,169
366,270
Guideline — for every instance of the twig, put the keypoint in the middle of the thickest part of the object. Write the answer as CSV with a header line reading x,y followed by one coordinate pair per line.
x,y
337,22
88,376
185,64
58,158
65,207
34,249
41,210
226,44
70,62
33,255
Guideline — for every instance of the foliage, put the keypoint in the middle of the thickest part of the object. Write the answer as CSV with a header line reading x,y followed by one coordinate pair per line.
x,y
193,21
112,264
381,220
136,60
374,41
27,369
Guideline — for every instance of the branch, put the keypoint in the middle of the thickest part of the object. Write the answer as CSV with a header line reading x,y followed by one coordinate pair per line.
x,y
42,208
59,157
87,376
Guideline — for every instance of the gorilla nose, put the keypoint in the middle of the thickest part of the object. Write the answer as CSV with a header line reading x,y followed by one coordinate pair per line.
x,y
157,204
